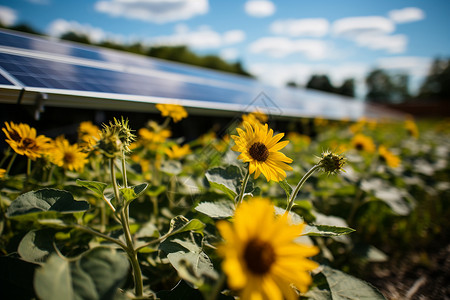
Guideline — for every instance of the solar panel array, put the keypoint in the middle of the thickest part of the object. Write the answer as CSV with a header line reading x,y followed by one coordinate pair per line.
x,y
91,77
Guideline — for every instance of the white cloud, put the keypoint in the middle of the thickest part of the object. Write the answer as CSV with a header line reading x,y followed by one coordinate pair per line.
x,y
280,47
95,34
280,73
413,65
406,15
202,38
233,36
8,16
356,26
301,27
391,43
155,11
229,54
260,8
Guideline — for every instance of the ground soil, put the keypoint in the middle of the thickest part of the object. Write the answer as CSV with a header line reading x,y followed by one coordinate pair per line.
x,y
416,276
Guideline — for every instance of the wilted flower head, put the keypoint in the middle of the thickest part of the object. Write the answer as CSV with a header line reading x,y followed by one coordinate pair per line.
x,y
115,138
332,163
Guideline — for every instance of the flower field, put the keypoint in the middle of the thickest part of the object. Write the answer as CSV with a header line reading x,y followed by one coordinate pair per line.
x,y
343,210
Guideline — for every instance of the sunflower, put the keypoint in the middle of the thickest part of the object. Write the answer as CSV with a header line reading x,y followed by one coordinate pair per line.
x,y
88,134
70,157
2,173
260,149
256,116
24,141
177,152
261,257
388,157
411,128
362,142
176,112
156,137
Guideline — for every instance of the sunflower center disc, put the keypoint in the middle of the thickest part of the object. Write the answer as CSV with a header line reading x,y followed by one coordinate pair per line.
x,y
259,256
359,146
259,152
28,143
69,158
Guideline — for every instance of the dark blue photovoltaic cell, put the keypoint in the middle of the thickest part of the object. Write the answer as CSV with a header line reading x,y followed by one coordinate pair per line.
x,y
41,73
4,81
145,76
106,55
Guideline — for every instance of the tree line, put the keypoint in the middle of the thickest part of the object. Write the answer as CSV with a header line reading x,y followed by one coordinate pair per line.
x,y
386,88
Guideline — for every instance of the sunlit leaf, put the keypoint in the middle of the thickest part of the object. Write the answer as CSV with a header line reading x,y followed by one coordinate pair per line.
x,y
227,179
96,274
37,245
131,193
326,230
346,287
216,210
95,186
45,203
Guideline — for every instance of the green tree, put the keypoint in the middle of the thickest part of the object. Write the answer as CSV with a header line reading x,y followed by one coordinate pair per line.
x,y
321,83
75,37
386,88
437,84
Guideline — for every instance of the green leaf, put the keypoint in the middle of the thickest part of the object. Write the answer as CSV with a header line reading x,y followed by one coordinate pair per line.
x,y
132,193
228,179
341,286
37,245
181,224
155,191
53,280
45,203
193,266
346,287
96,274
216,210
286,187
172,167
97,187
326,230
395,199
184,252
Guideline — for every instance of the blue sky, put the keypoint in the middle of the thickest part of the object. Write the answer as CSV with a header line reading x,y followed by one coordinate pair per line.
x,y
278,41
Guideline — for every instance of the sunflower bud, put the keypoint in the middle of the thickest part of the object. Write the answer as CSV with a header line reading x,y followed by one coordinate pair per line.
x,y
332,163
115,138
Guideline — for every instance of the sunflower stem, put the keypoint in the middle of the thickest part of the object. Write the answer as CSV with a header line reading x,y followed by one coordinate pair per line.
x,y
244,185
8,168
28,167
124,170
299,186
124,220
166,123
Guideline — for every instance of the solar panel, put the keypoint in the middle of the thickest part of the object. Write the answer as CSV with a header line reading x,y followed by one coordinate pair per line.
x,y
4,81
91,77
